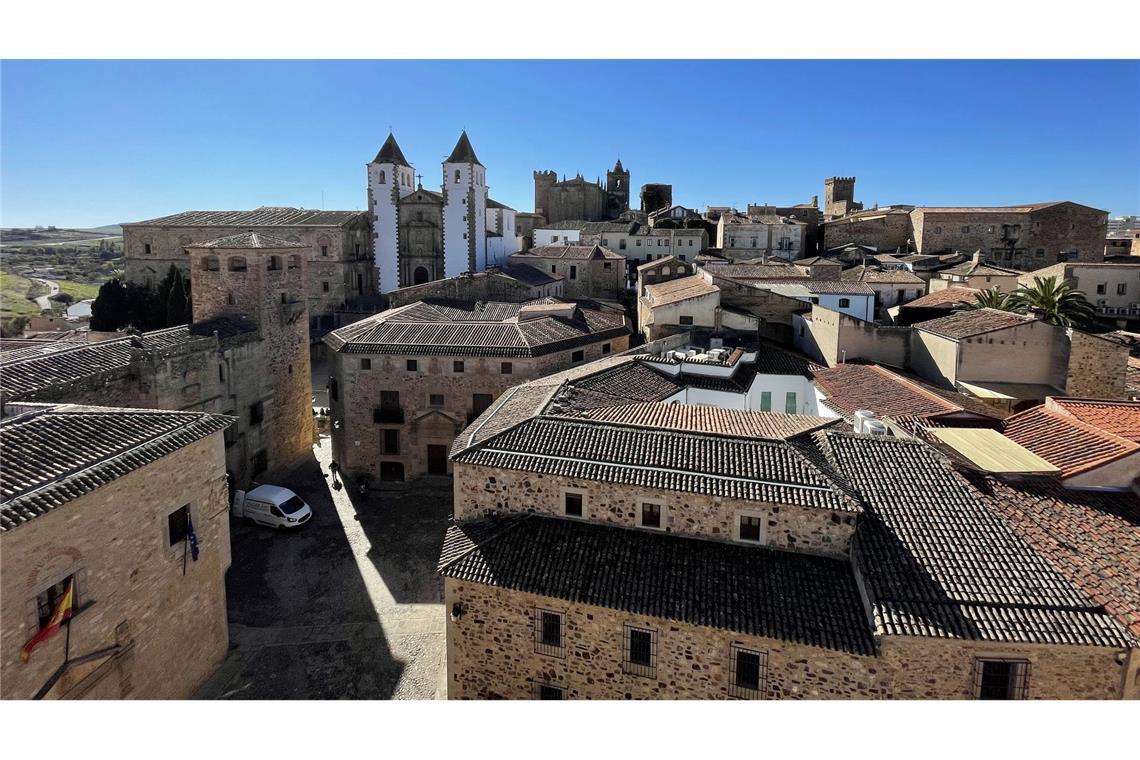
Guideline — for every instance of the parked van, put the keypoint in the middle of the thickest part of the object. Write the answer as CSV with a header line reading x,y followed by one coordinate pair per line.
x,y
274,506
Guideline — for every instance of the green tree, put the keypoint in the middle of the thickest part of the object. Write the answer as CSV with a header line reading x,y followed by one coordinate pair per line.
x,y
176,299
1055,301
110,311
993,299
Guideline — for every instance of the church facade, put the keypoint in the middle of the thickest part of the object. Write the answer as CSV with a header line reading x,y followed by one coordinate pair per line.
x,y
423,235
580,199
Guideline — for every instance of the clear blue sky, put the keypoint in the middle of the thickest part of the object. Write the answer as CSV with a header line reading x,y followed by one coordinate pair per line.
x,y
93,143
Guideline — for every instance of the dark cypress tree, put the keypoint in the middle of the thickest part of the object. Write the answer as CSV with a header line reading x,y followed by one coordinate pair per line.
x,y
176,300
109,312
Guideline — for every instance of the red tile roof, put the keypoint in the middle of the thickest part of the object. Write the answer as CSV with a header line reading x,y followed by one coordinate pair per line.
x,y
850,387
1120,418
1064,440
710,419
966,324
944,297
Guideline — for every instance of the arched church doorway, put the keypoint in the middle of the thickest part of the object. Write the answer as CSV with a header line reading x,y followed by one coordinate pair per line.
x,y
420,276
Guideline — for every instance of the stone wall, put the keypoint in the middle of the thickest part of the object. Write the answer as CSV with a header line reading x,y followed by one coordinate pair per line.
x,y
482,490
1097,367
491,654
115,540
832,337
884,231
480,286
358,441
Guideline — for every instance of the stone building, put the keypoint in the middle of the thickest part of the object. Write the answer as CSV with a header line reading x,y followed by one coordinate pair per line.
x,y
881,229
404,382
892,286
513,283
659,271
101,498
655,197
977,274
741,236
586,271
1113,289
614,540
338,247
839,197
525,224
578,198
245,355
423,235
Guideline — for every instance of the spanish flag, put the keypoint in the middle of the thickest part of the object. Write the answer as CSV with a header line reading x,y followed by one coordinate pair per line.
x,y
62,612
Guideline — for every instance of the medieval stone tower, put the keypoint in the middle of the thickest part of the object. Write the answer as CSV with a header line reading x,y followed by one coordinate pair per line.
x,y
839,197
249,289
617,191
464,210
543,182
390,178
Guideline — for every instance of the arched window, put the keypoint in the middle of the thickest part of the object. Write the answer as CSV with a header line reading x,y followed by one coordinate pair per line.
x,y
295,261
229,298
237,264
420,276
383,179
457,176
211,264
274,263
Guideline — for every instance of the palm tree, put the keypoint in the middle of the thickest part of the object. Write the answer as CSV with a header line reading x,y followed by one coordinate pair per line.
x,y
1055,302
993,299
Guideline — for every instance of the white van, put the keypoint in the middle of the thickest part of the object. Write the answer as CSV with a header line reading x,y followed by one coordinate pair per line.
x,y
273,506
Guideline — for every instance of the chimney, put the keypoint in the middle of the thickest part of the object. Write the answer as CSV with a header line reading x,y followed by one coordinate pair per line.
x,y
815,201
977,257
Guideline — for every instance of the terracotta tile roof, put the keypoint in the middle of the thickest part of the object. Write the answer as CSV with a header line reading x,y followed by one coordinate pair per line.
x,y
938,562
679,290
755,271
580,252
55,453
851,387
1066,441
891,276
1120,418
529,275
1093,537
805,288
971,322
475,328
979,269
754,591
946,297
265,216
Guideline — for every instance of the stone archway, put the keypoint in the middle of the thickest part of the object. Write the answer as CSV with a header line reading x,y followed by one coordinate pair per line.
x,y
420,276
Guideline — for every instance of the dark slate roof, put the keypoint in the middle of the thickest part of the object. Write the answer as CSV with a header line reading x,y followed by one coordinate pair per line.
x,y
56,453
224,326
714,464
249,240
475,328
463,153
390,153
938,562
264,216
528,274
971,322
775,360
788,596
560,251
23,373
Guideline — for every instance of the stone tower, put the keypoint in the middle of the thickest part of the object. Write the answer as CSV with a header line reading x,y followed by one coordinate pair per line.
x,y
390,178
543,182
464,210
617,191
252,285
839,197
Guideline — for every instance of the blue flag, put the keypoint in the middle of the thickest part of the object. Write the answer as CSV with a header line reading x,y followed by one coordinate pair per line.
x,y
192,537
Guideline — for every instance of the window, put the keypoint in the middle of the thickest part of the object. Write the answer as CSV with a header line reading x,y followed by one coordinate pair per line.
x,y
607,266
324,250
606,349
366,364
572,504
177,523
221,373
753,242
211,264
790,402
844,303
147,247
391,441
938,230
457,366
334,389
577,356
547,691
237,263
686,319
1001,679
765,401
1101,288
750,528
640,655
650,515
506,368
573,272
259,463
621,244
383,177
553,269
47,599
605,241
413,365
965,229
256,413
548,633
637,243
748,670
274,264
457,176
1121,288
435,399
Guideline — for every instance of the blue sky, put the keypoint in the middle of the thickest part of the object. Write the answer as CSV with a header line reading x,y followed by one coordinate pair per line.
x,y
89,143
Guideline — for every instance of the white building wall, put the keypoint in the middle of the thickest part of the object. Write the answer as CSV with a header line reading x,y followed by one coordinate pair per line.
x,y
861,307
550,237
386,184
465,193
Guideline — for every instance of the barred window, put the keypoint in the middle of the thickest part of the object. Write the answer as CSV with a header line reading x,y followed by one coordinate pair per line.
x,y
748,670
1001,679
749,528
547,691
49,597
548,633
640,651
